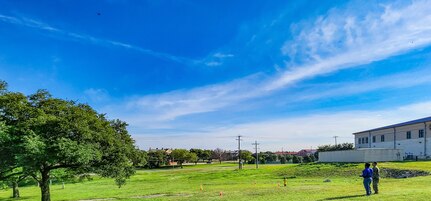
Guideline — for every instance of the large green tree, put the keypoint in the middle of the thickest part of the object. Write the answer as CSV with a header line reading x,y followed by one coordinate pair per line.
x,y
51,133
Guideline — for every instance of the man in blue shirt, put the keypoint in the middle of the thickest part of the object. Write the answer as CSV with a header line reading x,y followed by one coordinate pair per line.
x,y
367,174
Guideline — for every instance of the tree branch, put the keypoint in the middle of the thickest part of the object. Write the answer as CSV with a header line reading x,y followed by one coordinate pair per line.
x,y
9,170
35,178
11,175
63,166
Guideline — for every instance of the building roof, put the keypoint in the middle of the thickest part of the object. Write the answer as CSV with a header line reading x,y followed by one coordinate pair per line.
x,y
286,152
422,120
308,150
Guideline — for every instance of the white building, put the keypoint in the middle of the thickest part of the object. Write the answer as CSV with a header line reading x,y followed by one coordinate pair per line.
x,y
409,136
361,155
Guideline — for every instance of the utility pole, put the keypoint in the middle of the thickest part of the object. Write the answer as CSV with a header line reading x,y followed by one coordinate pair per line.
x,y
335,137
257,155
239,152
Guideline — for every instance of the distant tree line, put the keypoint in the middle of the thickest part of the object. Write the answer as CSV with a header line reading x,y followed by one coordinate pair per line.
x,y
157,158
338,147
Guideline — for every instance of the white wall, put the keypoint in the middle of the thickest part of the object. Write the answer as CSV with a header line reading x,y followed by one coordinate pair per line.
x,y
412,146
362,155
387,145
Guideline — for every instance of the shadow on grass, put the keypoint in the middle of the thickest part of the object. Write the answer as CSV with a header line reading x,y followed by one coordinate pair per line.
x,y
343,197
23,198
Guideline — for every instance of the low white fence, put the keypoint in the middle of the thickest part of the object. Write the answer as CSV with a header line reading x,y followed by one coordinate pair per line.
x,y
362,155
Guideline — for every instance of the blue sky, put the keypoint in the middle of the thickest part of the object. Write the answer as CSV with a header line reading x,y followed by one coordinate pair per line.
x,y
183,74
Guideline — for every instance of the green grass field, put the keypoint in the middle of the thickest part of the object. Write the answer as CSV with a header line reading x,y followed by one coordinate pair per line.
x,y
305,182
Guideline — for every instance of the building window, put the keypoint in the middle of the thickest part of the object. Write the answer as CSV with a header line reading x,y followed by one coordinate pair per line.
x,y
374,139
363,140
409,135
382,138
421,133
366,140
359,140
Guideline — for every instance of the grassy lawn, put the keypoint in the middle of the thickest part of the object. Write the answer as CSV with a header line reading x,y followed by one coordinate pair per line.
x,y
305,182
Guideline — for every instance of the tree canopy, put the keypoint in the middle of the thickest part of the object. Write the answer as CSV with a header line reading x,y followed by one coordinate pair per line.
x,y
338,147
41,134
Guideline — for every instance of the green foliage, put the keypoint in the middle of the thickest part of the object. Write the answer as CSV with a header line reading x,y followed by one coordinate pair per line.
x,y
206,155
139,158
193,157
3,86
338,147
202,154
47,133
312,158
246,156
308,158
297,159
283,160
157,158
182,155
288,157
267,157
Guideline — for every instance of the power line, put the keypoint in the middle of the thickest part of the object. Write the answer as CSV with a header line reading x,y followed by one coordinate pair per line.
x,y
239,152
257,156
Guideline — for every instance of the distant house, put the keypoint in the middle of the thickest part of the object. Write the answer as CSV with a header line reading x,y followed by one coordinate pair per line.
x,y
172,163
306,152
280,153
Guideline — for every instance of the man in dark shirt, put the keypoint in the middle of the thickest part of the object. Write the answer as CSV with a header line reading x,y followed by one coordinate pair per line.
x,y
367,174
376,178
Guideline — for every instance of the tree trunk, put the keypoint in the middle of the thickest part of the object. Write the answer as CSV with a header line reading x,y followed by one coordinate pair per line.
x,y
15,189
44,186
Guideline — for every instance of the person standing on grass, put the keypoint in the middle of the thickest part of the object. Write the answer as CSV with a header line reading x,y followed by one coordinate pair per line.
x,y
367,174
376,178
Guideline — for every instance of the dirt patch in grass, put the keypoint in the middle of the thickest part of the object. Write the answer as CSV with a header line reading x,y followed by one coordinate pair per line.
x,y
141,197
399,174
319,170
161,195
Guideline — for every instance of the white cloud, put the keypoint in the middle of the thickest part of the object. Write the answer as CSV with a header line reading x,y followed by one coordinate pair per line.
x,y
32,23
216,59
344,39
394,81
292,133
222,55
97,95
168,106
213,63
340,39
